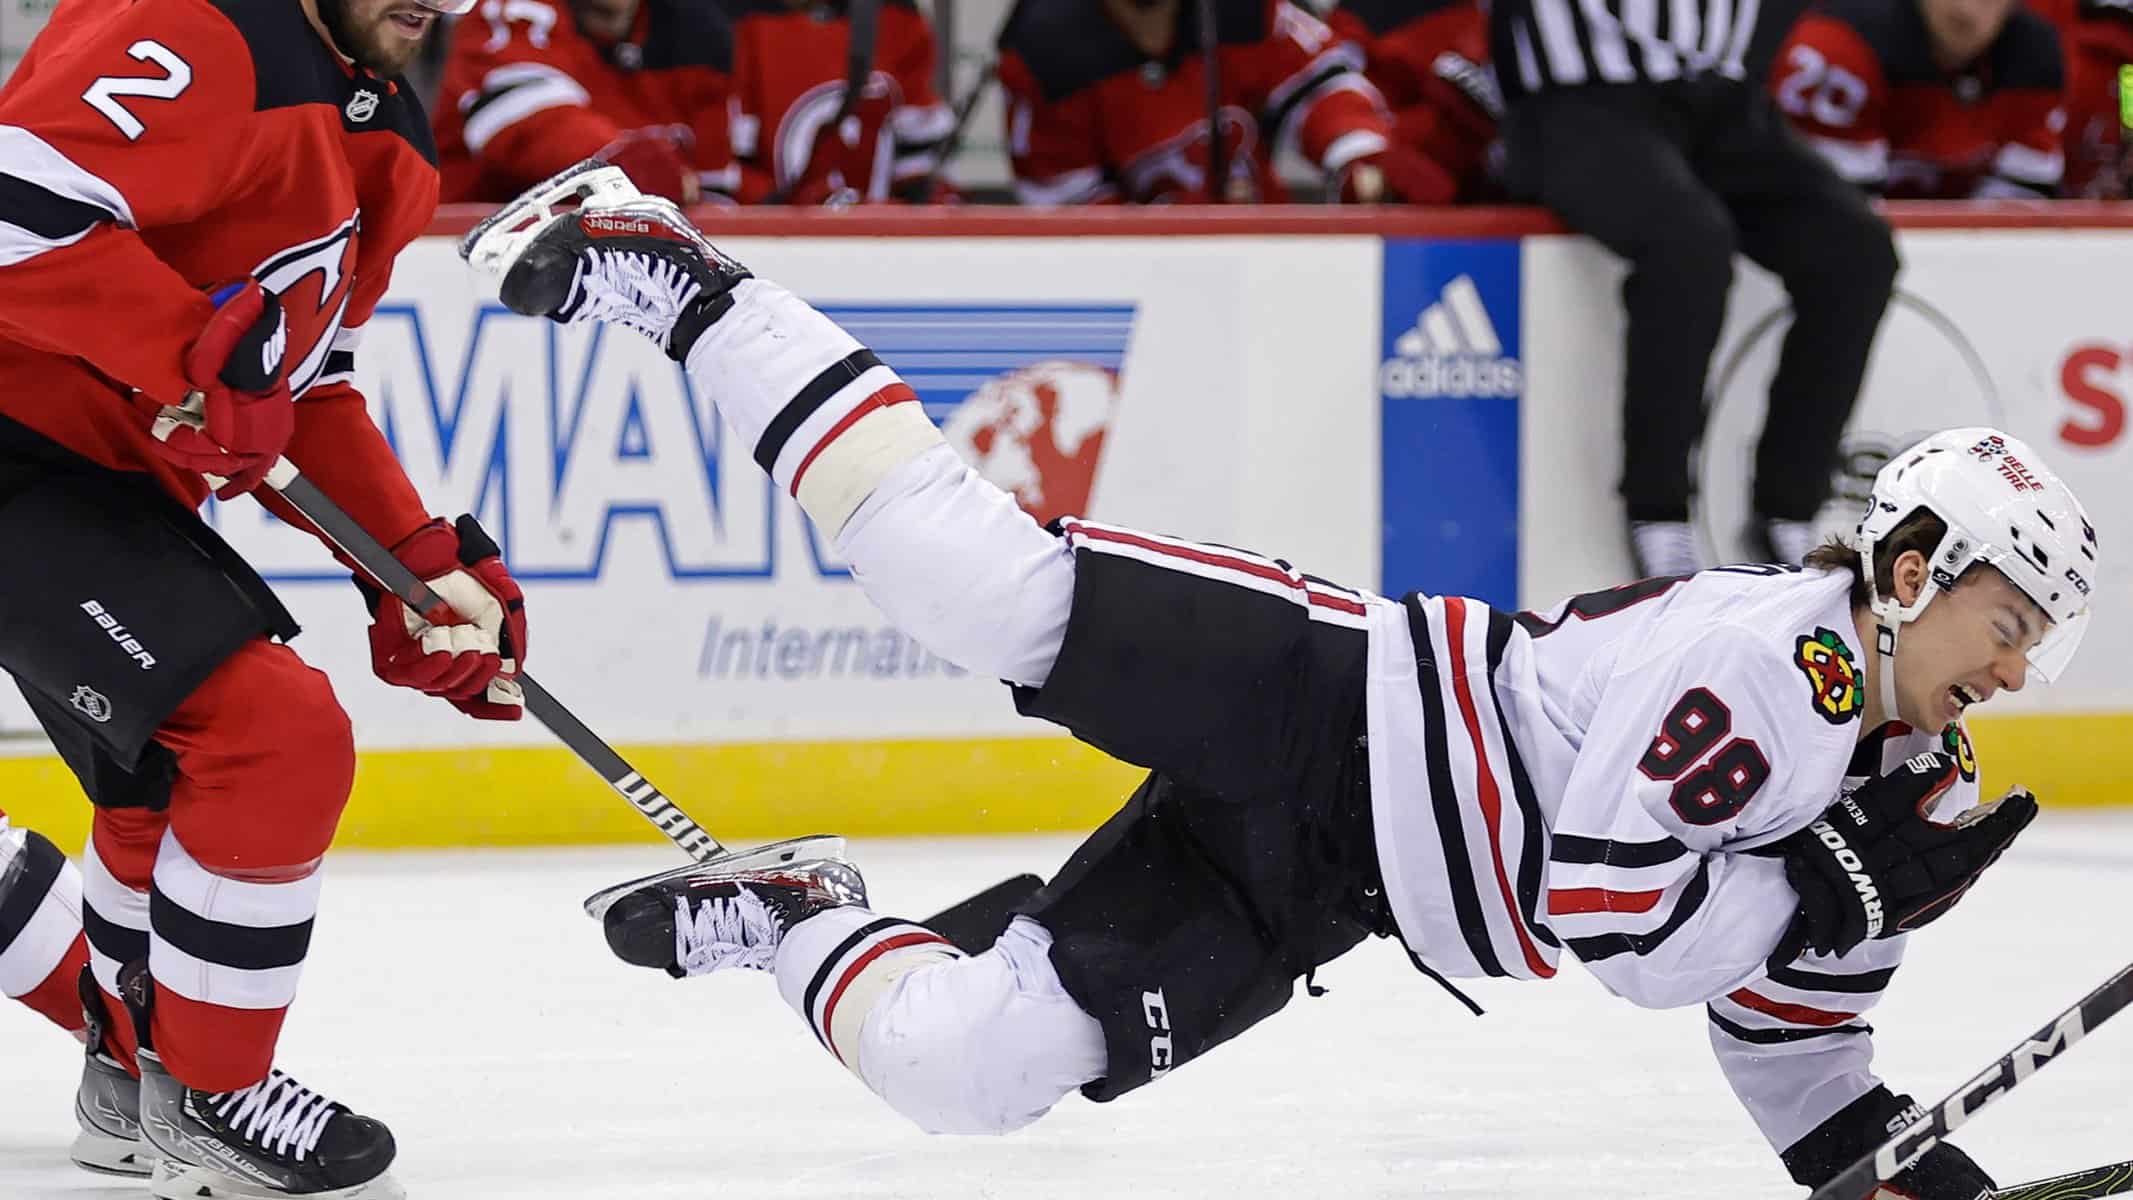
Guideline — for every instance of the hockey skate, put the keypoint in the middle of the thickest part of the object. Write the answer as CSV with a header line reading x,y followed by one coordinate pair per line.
x,y
587,245
799,849
107,1105
704,917
269,1141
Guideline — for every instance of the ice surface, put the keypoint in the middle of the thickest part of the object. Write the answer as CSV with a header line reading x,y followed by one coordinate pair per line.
x,y
462,998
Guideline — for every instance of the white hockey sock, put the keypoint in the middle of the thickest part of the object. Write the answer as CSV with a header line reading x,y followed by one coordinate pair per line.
x,y
833,966
983,1044
818,410
40,910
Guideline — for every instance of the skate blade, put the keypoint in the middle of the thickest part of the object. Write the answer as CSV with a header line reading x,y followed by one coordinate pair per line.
x,y
818,845
494,244
112,1155
177,1181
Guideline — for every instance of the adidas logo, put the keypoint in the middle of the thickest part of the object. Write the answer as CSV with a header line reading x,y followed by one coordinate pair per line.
x,y
1452,351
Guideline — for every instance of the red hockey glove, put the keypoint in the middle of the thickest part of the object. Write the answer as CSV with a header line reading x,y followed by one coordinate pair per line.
x,y
240,418
470,655
656,158
1395,175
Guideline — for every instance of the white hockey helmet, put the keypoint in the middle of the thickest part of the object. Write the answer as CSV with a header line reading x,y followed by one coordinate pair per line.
x,y
2004,508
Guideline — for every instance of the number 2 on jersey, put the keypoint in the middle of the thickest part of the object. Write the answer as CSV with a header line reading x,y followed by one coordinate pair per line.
x,y
104,93
1719,788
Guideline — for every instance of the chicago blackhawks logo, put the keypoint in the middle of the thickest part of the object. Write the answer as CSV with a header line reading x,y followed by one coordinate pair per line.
x,y
1955,743
1833,673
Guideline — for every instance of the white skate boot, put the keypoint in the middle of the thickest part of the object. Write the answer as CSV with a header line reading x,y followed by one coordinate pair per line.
x,y
587,245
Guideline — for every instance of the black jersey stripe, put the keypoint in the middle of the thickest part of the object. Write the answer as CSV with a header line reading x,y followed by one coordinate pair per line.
x,y
816,394
45,213
1444,798
1781,1037
1532,863
1573,849
1608,945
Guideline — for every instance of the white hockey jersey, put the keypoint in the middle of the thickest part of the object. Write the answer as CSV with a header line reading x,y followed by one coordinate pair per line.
x,y
1590,778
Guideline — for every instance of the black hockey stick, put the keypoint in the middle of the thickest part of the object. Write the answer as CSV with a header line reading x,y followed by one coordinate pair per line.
x,y
1860,1179
1211,67
954,140
2095,1183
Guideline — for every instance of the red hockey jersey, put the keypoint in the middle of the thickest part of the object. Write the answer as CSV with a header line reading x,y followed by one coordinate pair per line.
x,y
1092,120
2099,40
1857,77
151,149
526,93
1430,58
789,83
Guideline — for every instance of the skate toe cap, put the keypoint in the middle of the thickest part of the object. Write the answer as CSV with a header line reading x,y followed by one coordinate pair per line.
x,y
640,929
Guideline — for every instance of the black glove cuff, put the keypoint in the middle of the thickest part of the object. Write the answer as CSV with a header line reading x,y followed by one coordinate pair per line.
x,y
1844,1138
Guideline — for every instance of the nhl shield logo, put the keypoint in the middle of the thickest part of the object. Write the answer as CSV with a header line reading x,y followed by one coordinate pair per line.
x,y
92,704
362,106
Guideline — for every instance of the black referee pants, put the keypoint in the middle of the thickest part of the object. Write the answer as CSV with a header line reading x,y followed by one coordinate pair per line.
x,y
1675,178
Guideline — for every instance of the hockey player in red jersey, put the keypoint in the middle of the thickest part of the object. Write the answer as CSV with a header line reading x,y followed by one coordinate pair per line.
x,y
532,86
1107,103
200,204
1694,786
1931,99
1430,58
789,87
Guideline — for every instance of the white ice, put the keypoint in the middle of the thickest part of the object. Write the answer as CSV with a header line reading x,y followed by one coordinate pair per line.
x,y
462,998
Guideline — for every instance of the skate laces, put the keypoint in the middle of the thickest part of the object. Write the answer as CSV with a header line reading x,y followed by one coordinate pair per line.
x,y
736,931
278,1114
641,290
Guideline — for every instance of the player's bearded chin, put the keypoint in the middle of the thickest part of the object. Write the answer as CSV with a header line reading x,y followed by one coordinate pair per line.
x,y
366,45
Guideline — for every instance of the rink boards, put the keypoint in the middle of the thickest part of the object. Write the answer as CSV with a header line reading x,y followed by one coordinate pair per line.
x,y
1396,403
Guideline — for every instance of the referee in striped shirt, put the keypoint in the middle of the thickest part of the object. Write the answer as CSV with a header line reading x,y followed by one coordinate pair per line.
x,y
1647,125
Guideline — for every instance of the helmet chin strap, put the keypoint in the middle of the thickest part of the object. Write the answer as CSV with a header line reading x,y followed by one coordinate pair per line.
x,y
1885,632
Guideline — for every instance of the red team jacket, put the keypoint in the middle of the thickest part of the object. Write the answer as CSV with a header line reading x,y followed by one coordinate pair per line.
x,y
1430,58
789,82
526,94
1857,78
2098,35
151,149
1091,121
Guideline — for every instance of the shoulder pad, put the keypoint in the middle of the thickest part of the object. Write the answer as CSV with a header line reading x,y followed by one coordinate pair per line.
x,y
292,63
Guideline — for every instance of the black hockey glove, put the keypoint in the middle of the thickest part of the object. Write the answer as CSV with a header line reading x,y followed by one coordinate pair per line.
x,y
1945,1173
1875,865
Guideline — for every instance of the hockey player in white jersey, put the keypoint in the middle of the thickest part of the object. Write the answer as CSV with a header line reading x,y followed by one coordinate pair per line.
x,y
1742,789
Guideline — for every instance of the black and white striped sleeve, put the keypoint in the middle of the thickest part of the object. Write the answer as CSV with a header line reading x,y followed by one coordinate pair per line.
x,y
46,200
1795,1045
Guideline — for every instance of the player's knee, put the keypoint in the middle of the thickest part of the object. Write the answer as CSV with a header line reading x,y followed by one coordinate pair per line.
x,y
266,759
983,1045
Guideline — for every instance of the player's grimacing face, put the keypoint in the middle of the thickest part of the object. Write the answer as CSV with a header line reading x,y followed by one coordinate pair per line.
x,y
382,35
1971,642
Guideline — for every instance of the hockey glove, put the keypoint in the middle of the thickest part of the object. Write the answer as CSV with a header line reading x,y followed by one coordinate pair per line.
x,y
1945,1173
1395,175
1877,864
656,158
470,655
241,415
